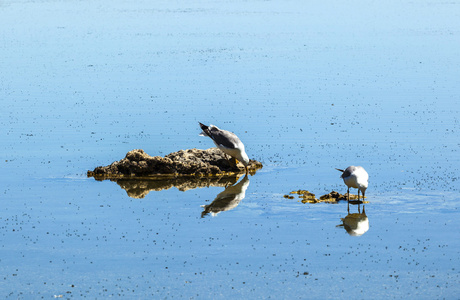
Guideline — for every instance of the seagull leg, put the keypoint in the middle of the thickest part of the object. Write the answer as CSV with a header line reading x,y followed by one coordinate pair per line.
x,y
247,170
348,193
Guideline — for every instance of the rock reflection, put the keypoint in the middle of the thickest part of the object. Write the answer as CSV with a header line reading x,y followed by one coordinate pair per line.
x,y
139,188
355,224
228,199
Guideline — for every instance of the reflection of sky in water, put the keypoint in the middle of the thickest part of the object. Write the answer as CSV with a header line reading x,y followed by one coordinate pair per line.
x,y
307,88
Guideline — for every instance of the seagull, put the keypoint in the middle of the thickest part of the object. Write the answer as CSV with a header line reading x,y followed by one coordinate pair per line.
x,y
355,177
227,199
228,142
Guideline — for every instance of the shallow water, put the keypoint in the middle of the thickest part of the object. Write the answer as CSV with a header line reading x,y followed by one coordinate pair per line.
x,y
307,88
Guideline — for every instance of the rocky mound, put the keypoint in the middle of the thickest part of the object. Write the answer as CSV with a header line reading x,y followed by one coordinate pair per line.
x,y
191,162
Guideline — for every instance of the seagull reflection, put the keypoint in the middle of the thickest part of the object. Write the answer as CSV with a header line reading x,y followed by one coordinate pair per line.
x,y
228,199
355,224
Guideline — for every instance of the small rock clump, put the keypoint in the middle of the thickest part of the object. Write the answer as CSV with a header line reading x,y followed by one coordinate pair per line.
x,y
191,162
332,197
305,196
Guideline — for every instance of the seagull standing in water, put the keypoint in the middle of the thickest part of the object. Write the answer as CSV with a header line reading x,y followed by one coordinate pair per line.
x,y
228,142
355,177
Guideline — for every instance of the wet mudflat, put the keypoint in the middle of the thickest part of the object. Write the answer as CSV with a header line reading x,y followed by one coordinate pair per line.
x,y
307,88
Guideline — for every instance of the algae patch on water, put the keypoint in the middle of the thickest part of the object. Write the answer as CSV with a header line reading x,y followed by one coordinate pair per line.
x,y
308,197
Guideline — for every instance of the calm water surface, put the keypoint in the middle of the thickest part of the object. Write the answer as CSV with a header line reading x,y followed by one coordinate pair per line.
x,y
308,87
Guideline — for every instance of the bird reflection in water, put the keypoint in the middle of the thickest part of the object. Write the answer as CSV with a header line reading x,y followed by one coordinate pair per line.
x,y
228,199
355,224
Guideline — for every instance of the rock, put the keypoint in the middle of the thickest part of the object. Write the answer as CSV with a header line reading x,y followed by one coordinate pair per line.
x,y
306,196
332,195
335,196
191,162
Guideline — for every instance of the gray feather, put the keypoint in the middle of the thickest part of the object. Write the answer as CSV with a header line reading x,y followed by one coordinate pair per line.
x,y
221,137
347,172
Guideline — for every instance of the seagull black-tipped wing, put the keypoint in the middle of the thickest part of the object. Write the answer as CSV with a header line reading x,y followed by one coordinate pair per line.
x,y
205,129
223,137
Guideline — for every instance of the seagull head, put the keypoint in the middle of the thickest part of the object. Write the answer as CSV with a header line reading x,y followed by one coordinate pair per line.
x,y
245,160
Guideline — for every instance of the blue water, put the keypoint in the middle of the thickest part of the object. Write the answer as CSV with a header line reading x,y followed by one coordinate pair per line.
x,y
308,87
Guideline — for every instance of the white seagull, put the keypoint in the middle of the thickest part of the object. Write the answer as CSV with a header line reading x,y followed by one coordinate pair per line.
x,y
228,142
355,177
